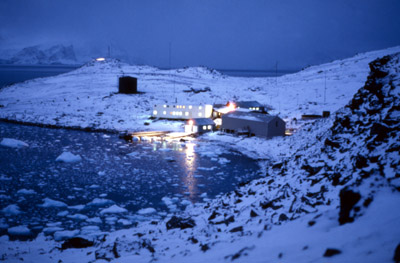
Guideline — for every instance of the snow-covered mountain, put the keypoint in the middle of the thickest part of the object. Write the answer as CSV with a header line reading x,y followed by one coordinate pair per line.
x,y
332,194
42,55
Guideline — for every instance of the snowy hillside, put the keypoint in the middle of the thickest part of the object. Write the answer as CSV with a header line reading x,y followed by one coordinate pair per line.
x,y
41,55
87,97
333,198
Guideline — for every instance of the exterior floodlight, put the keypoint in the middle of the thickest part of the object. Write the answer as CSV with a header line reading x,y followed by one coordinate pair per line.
x,y
100,59
191,122
231,106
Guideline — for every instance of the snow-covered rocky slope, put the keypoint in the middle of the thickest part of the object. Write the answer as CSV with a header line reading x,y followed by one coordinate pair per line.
x,y
41,55
88,98
334,199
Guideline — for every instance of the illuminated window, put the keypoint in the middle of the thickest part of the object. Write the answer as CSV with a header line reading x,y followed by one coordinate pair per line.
x,y
200,107
209,127
184,106
164,112
165,106
155,112
257,108
200,114
204,127
187,113
190,106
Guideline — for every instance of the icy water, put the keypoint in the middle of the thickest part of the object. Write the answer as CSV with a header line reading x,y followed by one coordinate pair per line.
x,y
166,176
10,74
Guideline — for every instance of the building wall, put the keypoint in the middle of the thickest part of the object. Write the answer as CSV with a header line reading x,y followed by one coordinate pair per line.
x,y
261,129
198,128
276,127
182,111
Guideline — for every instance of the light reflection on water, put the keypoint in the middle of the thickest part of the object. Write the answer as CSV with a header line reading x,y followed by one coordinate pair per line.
x,y
132,175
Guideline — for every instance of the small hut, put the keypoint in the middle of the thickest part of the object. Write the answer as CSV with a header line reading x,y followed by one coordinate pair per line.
x,y
199,125
127,85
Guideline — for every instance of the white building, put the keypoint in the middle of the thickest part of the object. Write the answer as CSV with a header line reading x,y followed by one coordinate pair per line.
x,y
199,125
186,112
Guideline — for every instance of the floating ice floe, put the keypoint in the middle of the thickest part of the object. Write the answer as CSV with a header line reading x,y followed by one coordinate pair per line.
x,y
94,220
26,192
78,217
47,202
68,157
147,211
52,230
114,209
19,231
13,143
11,210
100,202
67,234
77,207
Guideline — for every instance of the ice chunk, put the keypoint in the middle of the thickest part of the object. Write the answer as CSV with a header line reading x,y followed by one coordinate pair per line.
x,y
67,234
100,202
186,202
19,231
77,207
51,230
13,143
62,213
26,192
114,209
124,222
79,217
11,210
68,157
147,211
52,203
95,220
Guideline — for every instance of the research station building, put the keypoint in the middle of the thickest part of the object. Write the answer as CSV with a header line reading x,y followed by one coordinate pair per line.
x,y
180,112
253,124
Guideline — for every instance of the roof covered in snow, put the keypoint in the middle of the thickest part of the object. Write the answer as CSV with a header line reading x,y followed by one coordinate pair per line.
x,y
203,121
251,116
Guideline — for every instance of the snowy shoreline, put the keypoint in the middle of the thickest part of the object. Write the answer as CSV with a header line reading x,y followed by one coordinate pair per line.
x,y
338,182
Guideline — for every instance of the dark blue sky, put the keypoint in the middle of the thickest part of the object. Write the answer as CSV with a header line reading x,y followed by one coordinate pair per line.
x,y
234,34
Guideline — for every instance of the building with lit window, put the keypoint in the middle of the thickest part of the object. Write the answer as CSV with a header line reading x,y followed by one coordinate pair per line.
x,y
199,125
180,112
250,105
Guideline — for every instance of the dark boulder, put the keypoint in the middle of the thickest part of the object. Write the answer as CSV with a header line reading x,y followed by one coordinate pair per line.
x,y
361,161
253,214
348,199
283,217
331,143
381,130
76,242
396,256
236,229
329,252
179,222
269,204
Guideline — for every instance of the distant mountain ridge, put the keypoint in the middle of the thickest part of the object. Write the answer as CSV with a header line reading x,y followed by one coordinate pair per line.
x,y
43,55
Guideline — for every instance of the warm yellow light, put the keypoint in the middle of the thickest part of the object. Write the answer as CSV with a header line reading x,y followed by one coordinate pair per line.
x,y
100,59
231,106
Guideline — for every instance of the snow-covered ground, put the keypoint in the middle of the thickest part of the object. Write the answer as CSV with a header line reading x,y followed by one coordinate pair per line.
x,y
332,196
88,98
